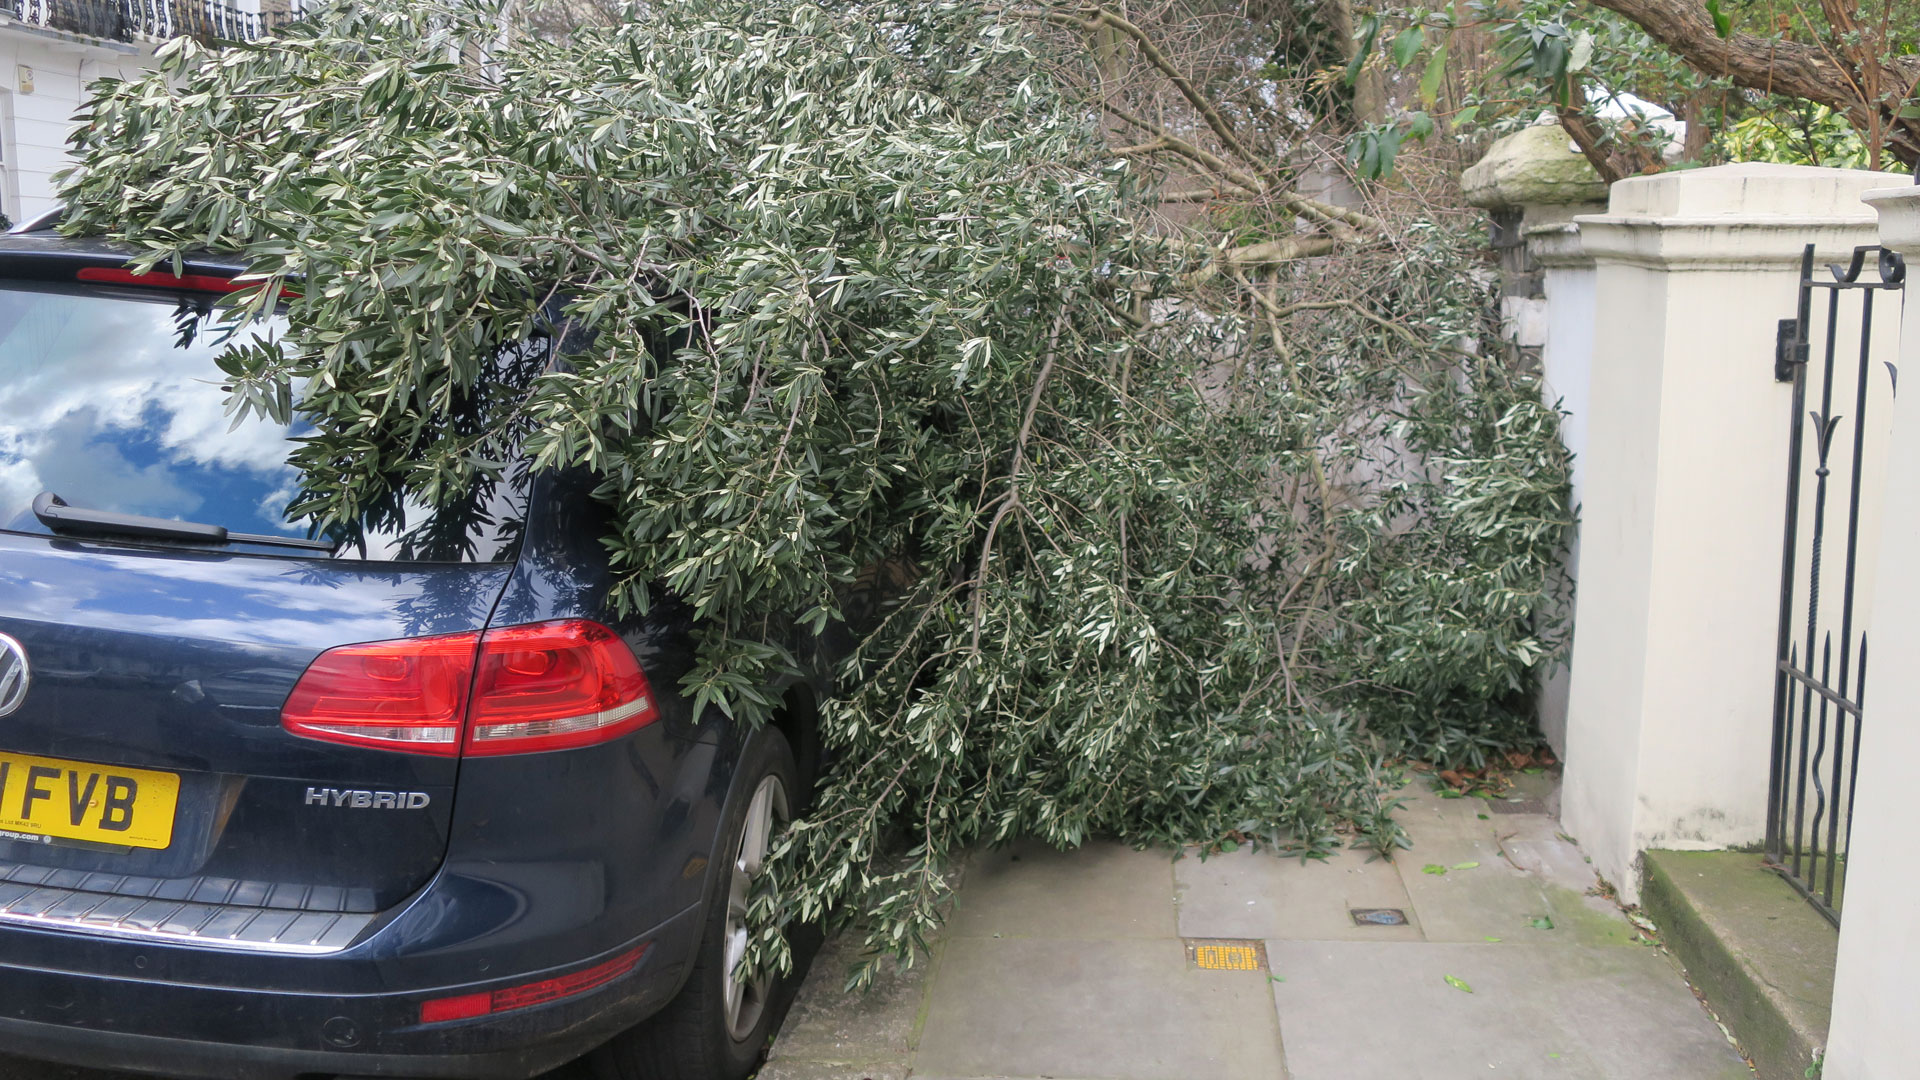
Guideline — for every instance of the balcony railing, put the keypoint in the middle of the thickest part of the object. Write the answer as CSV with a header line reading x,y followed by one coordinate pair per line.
x,y
154,20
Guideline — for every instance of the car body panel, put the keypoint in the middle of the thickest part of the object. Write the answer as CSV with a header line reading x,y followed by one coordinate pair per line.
x,y
157,655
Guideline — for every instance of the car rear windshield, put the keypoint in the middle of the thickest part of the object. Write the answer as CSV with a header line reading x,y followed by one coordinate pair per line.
x,y
111,399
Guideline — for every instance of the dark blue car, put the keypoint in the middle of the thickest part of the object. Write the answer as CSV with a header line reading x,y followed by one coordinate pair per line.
x,y
405,801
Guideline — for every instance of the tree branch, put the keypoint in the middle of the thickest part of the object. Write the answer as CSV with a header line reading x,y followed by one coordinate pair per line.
x,y
1782,67
1267,253
1172,143
1325,213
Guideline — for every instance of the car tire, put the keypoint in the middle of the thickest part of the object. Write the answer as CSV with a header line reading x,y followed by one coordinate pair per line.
x,y
716,1028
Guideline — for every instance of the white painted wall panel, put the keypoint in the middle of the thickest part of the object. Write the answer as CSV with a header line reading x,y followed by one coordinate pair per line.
x,y
35,121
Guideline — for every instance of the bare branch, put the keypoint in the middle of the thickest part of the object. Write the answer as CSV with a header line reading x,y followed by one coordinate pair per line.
x,y
1267,253
1207,160
1326,213
1201,103
1190,195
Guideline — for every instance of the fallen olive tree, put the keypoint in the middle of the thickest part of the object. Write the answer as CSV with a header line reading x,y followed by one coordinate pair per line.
x,y
1185,550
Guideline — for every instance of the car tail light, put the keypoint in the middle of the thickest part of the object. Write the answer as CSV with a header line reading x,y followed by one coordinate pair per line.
x,y
527,995
403,695
510,690
549,686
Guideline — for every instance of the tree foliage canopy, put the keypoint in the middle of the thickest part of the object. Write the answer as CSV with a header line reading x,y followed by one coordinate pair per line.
x,y
854,293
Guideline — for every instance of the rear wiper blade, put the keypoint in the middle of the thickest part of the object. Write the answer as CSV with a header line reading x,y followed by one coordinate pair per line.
x,y
55,514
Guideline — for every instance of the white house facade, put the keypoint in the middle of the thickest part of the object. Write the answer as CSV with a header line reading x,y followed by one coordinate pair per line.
x,y
52,50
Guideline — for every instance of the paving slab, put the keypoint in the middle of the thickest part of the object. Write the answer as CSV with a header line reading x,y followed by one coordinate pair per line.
x,y
1534,844
1471,892
788,1069
1100,890
1069,966
1258,894
1523,869
1120,1008
830,1035
1363,1010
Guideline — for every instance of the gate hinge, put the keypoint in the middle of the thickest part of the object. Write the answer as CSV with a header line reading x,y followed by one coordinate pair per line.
x,y
1788,349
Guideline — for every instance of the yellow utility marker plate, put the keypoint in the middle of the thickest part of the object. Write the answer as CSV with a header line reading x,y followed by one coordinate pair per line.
x,y
1226,954
74,800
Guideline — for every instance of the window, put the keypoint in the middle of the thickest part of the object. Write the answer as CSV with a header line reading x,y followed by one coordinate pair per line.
x,y
110,398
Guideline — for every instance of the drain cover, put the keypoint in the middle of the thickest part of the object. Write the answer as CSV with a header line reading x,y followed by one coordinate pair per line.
x,y
1378,916
1226,954
1516,806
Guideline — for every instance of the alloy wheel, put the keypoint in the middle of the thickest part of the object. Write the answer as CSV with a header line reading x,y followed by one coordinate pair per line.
x,y
746,1000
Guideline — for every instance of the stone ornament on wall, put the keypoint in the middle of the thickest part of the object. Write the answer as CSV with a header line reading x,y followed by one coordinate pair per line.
x,y
1535,166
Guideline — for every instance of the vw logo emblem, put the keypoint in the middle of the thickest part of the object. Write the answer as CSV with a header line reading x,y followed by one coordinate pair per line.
x,y
13,675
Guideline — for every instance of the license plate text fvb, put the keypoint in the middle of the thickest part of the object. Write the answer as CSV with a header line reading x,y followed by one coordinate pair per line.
x,y
76,800
43,783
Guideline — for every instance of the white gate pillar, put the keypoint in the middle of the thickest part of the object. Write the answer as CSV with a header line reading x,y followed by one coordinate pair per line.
x,y
1670,705
1876,987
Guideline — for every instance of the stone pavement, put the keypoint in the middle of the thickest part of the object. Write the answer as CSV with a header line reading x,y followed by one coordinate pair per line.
x,y
1077,965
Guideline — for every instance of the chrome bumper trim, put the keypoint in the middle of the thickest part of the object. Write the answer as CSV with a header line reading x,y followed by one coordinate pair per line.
x,y
180,922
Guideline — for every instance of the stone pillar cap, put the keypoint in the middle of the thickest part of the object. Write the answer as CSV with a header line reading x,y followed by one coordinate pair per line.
x,y
1899,210
1734,217
1749,191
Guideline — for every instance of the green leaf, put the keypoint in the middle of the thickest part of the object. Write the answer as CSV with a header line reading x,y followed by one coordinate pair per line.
x,y
1459,984
1541,922
1550,58
1466,866
1433,868
1581,54
1363,47
1434,77
1406,45
1490,939
1419,125
1722,22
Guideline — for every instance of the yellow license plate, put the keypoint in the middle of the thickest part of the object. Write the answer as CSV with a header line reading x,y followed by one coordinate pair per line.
x,y
73,800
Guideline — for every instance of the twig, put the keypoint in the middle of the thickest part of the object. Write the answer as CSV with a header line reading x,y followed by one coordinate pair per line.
x,y
1011,500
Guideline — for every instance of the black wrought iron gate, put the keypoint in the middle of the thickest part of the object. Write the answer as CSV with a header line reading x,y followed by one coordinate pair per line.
x,y
1820,682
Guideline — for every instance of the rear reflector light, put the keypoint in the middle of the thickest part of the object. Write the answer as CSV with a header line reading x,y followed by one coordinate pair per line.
x,y
527,995
510,690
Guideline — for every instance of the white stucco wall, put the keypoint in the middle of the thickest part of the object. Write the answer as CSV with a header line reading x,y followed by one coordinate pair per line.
x,y
1566,367
1876,996
1670,702
36,114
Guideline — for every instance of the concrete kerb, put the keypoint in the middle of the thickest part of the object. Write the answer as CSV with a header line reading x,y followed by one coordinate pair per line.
x,y
1759,954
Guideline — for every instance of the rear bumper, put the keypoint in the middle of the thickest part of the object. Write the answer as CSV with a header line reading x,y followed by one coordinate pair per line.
x,y
158,1056
234,1033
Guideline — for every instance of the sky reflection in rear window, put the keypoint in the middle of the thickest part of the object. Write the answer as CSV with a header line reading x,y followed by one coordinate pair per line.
x,y
100,404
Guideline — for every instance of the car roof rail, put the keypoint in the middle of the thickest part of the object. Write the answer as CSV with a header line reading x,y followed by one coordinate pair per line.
x,y
42,222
